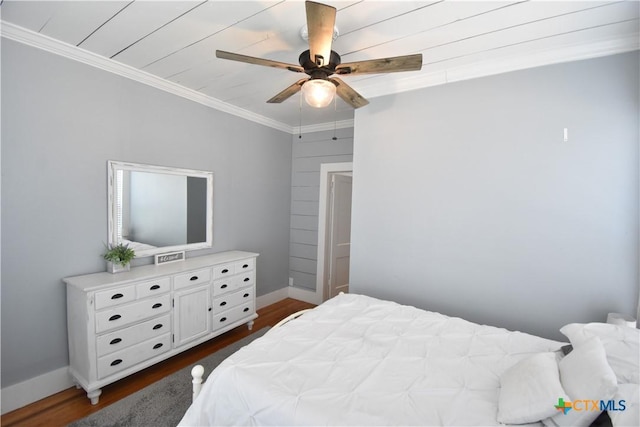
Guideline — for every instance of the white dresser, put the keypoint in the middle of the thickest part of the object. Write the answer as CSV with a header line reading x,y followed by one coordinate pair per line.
x,y
121,323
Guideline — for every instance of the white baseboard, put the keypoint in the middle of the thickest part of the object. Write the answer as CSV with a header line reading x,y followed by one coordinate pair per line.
x,y
304,295
301,294
271,298
29,391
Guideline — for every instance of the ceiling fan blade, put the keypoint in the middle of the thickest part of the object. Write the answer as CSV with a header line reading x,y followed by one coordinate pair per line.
x,y
320,22
288,92
382,65
258,61
347,93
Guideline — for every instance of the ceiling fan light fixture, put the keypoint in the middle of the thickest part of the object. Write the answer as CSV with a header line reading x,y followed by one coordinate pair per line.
x,y
304,33
318,92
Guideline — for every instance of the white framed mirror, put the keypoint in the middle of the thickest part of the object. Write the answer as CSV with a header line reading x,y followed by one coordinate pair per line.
x,y
157,209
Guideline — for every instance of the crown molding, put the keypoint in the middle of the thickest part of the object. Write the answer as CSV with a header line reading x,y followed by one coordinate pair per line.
x,y
566,53
40,41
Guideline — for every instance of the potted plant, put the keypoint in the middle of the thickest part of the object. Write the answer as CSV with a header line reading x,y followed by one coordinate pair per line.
x,y
118,257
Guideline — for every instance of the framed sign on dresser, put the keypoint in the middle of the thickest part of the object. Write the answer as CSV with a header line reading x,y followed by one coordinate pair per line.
x,y
119,324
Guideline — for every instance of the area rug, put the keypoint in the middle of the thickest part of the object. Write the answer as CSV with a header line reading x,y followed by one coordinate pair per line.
x,y
164,402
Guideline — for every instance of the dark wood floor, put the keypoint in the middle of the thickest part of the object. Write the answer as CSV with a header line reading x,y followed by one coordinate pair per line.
x,y
72,404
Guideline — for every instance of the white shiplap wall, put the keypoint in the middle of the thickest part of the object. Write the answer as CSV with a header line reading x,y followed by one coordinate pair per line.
x,y
309,152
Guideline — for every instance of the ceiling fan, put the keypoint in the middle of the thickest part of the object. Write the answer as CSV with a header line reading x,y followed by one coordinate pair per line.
x,y
320,63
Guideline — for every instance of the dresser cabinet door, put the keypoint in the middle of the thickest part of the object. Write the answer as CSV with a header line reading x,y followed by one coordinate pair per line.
x,y
192,317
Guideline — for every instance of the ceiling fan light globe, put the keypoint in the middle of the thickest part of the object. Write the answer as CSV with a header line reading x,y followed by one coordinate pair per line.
x,y
318,93
304,33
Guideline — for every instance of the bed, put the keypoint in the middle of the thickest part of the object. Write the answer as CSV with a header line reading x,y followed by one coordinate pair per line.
x,y
357,360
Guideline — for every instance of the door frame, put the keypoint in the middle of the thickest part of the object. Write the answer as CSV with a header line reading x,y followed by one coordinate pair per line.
x,y
326,171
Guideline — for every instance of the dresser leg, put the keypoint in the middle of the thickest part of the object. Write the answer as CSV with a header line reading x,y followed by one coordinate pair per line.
x,y
250,325
94,396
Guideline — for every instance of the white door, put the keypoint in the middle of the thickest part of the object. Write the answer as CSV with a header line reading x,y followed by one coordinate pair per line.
x,y
340,234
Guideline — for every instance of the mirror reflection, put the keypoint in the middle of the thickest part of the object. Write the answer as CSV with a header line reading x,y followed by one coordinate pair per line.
x,y
156,209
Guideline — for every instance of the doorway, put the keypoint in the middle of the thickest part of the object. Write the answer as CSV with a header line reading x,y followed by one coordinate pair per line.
x,y
334,229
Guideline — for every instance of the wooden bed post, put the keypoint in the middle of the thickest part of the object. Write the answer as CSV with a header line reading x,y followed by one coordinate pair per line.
x,y
197,372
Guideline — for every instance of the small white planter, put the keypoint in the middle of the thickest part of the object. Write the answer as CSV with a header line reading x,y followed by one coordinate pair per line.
x,y
113,267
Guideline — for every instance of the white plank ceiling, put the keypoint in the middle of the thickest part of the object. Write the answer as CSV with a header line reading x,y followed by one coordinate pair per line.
x,y
171,44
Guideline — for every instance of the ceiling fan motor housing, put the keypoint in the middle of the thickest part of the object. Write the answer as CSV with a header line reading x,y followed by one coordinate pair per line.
x,y
315,71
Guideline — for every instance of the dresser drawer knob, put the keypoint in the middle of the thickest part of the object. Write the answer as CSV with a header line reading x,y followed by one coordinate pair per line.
x,y
246,309
224,319
223,303
154,287
116,362
157,346
245,266
116,296
156,305
114,317
115,341
246,279
192,278
223,286
158,326
245,295
226,270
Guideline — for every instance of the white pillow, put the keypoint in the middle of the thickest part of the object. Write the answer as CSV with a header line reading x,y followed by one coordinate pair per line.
x,y
630,415
529,389
621,343
585,375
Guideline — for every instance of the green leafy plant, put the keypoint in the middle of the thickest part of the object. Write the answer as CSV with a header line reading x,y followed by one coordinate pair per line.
x,y
119,254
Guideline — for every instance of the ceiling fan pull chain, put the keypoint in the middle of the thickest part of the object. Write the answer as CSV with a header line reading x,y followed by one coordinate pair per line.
x,y
335,117
300,126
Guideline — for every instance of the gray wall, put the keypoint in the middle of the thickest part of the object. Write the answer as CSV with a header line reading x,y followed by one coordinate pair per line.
x,y
309,152
61,122
467,201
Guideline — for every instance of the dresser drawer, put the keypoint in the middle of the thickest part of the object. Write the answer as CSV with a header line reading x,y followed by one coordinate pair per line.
x,y
155,287
223,270
233,283
133,312
115,296
246,265
128,357
228,317
192,278
126,337
230,300
223,286
246,279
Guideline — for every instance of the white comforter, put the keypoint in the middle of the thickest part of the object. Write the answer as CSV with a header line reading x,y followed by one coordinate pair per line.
x,y
356,360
